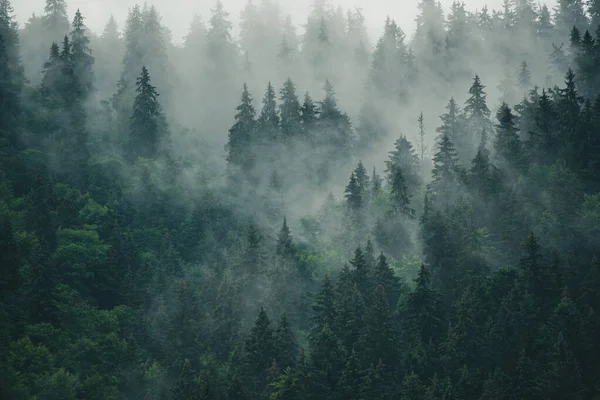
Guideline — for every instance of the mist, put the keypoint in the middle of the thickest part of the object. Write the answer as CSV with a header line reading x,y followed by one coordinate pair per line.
x,y
327,200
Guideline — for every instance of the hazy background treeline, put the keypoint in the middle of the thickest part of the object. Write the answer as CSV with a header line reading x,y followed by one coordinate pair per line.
x,y
301,212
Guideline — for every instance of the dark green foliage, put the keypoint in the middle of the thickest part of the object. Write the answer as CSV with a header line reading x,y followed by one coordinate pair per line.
x,y
130,269
290,110
148,126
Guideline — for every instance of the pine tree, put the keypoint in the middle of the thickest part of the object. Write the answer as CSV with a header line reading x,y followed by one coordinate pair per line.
x,y
353,193
524,76
569,14
148,125
290,110
482,171
476,112
55,18
404,156
285,246
285,345
11,72
422,310
241,134
507,144
568,112
268,120
422,145
451,121
376,184
324,307
309,114
81,56
259,350
379,336
384,275
10,260
399,193
445,173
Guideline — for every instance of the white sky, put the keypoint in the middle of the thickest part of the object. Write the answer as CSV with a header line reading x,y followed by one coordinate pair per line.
x,y
177,14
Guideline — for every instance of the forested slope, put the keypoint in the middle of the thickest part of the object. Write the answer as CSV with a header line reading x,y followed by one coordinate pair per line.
x,y
301,215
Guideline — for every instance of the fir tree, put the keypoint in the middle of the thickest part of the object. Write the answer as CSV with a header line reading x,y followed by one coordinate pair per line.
x,y
422,145
451,121
507,143
285,246
55,18
148,126
309,113
290,110
81,56
404,156
268,120
259,350
285,345
399,193
524,76
241,134
445,173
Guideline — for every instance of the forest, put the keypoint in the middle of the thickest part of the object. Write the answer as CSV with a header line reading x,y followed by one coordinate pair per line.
x,y
299,211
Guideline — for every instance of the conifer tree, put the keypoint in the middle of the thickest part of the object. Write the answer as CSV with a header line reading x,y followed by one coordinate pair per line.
x,y
384,275
309,114
259,350
290,110
451,121
445,173
285,246
55,19
507,144
81,56
422,145
399,193
324,307
285,345
481,173
379,336
268,120
422,310
524,76
404,156
148,125
10,260
241,134
476,112
376,184
11,72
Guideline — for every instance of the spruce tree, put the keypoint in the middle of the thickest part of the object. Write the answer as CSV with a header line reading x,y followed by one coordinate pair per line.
x,y
404,156
148,126
81,56
524,76
309,114
399,193
451,121
285,246
268,120
324,307
55,19
422,145
10,260
285,345
507,144
241,134
290,110
445,173
259,350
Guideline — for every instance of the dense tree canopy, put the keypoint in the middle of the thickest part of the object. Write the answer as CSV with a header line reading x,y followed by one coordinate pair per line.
x,y
163,236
